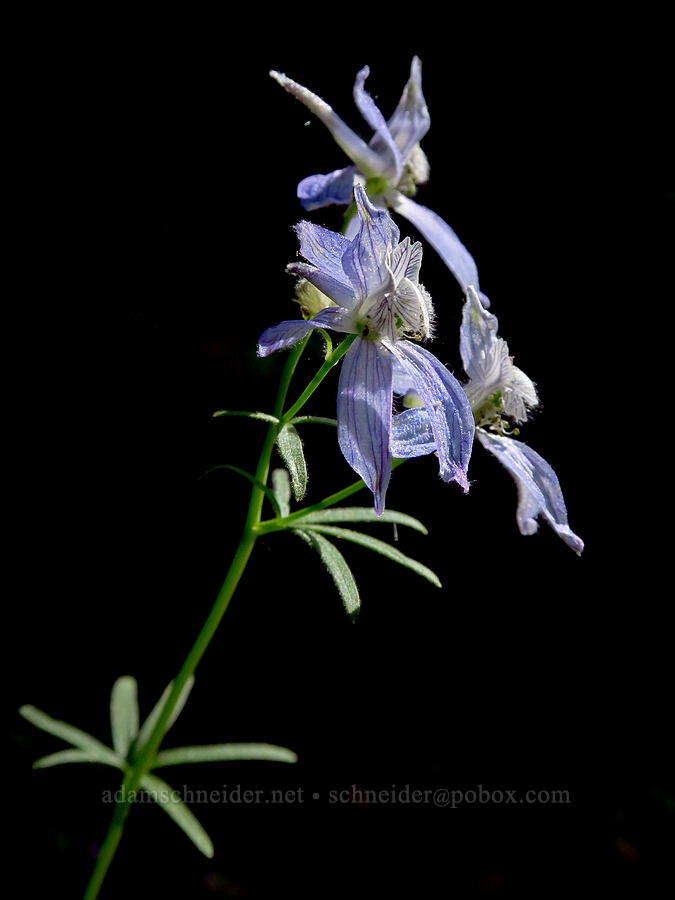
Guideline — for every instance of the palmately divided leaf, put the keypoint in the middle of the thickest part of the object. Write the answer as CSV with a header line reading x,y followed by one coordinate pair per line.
x,y
124,713
336,564
290,448
95,750
223,753
173,805
149,724
371,543
362,514
281,486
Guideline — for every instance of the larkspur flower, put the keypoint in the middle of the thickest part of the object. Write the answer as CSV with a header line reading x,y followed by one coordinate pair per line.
x,y
391,165
500,394
373,279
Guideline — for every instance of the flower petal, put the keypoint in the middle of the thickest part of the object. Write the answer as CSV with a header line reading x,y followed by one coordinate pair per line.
x,y
441,237
449,411
539,492
519,395
410,121
485,356
411,434
364,415
364,262
486,361
286,334
402,380
383,142
357,150
317,191
406,260
408,303
323,248
341,293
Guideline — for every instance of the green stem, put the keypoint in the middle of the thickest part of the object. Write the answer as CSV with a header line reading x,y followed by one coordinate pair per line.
x,y
135,773
328,364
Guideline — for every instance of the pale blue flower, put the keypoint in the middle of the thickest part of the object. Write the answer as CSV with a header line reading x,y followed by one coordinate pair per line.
x,y
374,281
499,394
391,165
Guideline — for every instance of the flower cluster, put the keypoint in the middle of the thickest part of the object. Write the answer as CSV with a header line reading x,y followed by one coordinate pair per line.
x,y
365,283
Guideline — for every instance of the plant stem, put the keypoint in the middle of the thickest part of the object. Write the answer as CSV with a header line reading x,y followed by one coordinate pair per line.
x,y
141,765
330,361
134,776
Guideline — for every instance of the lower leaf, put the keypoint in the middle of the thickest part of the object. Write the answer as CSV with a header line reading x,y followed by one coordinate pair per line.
x,y
173,806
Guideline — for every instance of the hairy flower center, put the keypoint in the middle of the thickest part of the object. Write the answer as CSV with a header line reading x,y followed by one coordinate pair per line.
x,y
490,414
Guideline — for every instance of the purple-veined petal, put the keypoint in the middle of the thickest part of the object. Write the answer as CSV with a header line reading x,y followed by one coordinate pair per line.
x,y
539,492
487,362
400,258
408,304
286,334
382,142
336,188
353,226
364,415
406,260
368,161
323,248
364,261
448,408
485,356
411,434
410,121
402,381
339,291
441,237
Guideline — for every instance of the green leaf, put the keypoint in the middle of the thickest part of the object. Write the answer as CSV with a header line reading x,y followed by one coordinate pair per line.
x,y
362,514
72,756
124,714
290,448
149,724
96,751
169,800
371,543
222,753
315,420
281,487
336,564
264,417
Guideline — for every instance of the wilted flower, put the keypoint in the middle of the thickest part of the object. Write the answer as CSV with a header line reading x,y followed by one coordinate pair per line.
x,y
391,165
500,394
374,281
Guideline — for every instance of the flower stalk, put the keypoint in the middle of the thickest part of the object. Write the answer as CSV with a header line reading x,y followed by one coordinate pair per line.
x,y
142,764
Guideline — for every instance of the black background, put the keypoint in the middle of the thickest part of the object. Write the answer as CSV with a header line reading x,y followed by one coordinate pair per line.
x,y
155,179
